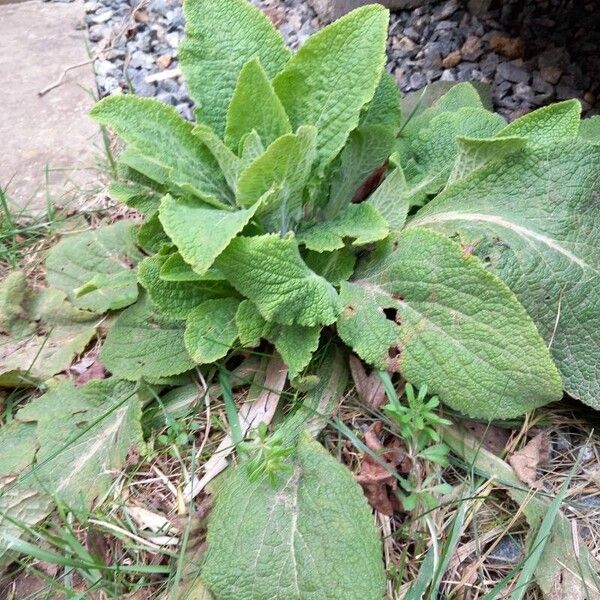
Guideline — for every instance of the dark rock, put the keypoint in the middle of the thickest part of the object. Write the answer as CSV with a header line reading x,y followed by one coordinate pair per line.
x,y
417,81
508,551
513,71
471,50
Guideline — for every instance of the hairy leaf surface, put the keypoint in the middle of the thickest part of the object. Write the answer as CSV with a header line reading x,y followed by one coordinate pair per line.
x,y
269,271
211,329
109,251
548,124
176,298
281,172
255,107
158,132
71,442
200,232
285,542
144,343
533,217
361,222
221,36
329,89
455,327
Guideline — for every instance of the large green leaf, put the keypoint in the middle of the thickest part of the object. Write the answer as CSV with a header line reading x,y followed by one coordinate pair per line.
x,y
589,129
144,343
282,171
295,540
534,218
71,443
159,133
175,298
384,109
40,332
95,268
547,125
201,232
435,148
269,270
362,222
255,106
211,329
391,199
474,153
221,36
450,324
333,76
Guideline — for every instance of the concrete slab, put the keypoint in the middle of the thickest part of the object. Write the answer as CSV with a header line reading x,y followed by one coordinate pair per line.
x,y
48,144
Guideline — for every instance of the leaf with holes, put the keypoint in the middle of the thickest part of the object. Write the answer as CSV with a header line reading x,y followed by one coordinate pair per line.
x,y
533,217
451,324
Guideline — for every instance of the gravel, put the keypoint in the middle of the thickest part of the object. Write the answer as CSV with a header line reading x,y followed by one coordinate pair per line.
x,y
531,53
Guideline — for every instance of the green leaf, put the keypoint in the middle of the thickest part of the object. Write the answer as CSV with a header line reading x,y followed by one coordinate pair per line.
x,y
368,148
384,109
454,326
269,271
221,36
136,196
547,125
295,344
144,343
533,218
175,298
72,442
176,269
297,539
45,341
460,95
230,164
333,76
255,107
391,199
362,222
435,148
109,251
200,232
475,153
335,266
250,324
251,147
283,169
211,329
136,167
151,236
589,129
158,132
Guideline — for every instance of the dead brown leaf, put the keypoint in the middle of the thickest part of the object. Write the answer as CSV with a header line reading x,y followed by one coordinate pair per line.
x,y
368,387
378,481
493,438
526,461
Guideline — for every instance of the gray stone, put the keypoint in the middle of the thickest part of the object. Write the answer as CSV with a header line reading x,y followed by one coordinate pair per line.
x,y
417,81
508,551
513,71
185,111
329,10
524,92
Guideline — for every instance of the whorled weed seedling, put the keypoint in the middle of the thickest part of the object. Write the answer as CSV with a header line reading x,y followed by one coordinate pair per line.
x,y
266,455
